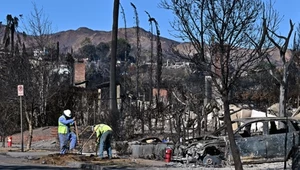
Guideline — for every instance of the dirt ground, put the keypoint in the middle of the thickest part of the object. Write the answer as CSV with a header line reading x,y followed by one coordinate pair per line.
x,y
63,160
42,141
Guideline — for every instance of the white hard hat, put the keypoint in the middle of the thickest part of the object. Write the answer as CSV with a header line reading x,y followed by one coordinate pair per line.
x,y
67,113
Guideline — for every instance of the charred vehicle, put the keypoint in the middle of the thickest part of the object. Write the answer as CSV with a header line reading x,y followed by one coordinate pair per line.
x,y
259,140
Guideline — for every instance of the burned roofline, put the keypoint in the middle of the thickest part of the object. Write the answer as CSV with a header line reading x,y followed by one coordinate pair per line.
x,y
79,83
106,84
252,120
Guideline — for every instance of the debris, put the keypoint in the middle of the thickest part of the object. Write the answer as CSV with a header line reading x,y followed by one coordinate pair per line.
x,y
68,159
214,151
150,148
32,158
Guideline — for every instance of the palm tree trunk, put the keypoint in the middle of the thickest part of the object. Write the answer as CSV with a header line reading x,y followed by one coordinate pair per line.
x,y
12,39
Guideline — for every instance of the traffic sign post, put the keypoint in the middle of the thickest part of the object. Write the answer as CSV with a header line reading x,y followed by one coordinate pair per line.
x,y
21,93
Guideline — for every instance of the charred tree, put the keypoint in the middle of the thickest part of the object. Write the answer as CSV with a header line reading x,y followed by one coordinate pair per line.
x,y
150,71
238,41
137,59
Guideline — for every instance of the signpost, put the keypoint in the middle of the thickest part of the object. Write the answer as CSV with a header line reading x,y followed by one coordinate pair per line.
x,y
21,93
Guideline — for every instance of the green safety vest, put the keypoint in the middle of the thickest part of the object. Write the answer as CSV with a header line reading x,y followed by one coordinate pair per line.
x,y
62,129
101,128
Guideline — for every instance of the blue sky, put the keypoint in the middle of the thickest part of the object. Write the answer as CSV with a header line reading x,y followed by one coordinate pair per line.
x,y
97,14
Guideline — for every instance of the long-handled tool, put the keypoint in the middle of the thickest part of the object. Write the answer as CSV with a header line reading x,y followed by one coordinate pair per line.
x,y
96,151
76,129
80,150
83,130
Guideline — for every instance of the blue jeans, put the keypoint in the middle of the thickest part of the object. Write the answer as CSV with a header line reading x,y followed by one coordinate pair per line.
x,y
64,140
105,141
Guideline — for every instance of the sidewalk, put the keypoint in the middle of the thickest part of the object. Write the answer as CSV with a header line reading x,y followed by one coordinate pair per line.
x,y
18,154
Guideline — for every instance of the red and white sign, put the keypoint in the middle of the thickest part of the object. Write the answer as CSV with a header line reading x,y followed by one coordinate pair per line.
x,y
20,90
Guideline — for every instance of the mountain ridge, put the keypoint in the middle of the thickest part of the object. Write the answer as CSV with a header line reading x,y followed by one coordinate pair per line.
x,y
71,39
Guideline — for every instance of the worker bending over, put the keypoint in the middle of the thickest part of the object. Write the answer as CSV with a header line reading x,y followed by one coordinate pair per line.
x,y
104,135
64,133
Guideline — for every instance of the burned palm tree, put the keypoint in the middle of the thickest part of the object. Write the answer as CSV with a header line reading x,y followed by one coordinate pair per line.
x,y
151,67
9,34
159,65
125,37
124,84
125,27
137,58
126,51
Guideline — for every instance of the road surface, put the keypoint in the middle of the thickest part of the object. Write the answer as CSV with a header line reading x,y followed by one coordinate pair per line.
x,y
11,163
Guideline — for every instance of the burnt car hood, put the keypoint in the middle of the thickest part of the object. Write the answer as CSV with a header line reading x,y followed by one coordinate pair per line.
x,y
207,140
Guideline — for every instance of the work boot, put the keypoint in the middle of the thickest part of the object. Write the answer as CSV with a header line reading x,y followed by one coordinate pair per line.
x,y
74,151
64,150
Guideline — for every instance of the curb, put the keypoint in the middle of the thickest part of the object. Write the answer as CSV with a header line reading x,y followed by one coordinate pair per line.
x,y
28,154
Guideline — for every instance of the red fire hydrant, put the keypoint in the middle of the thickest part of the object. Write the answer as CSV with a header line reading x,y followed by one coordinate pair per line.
x,y
9,141
168,155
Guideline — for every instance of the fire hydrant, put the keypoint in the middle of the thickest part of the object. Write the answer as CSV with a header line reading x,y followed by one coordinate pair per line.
x,y
9,141
168,155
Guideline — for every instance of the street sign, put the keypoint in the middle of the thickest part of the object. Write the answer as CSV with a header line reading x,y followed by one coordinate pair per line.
x,y
21,93
20,90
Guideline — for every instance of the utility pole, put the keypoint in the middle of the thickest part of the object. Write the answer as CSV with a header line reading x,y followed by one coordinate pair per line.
x,y
112,88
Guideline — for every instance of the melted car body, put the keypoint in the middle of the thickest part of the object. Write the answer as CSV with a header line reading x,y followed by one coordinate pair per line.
x,y
258,139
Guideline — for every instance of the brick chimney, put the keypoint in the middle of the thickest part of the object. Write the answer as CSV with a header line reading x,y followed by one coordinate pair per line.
x,y
79,73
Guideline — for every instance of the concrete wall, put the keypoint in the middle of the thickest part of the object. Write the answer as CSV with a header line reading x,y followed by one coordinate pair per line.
x,y
150,151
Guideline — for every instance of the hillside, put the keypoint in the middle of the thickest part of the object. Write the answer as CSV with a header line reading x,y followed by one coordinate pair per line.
x,y
73,38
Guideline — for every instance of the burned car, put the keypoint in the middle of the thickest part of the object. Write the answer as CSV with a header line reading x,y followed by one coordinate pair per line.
x,y
259,140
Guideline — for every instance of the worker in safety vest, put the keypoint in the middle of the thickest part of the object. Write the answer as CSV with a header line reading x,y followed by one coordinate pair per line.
x,y
64,133
104,135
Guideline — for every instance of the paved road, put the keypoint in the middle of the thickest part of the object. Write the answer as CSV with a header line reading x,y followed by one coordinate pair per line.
x,y
11,163
31,167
